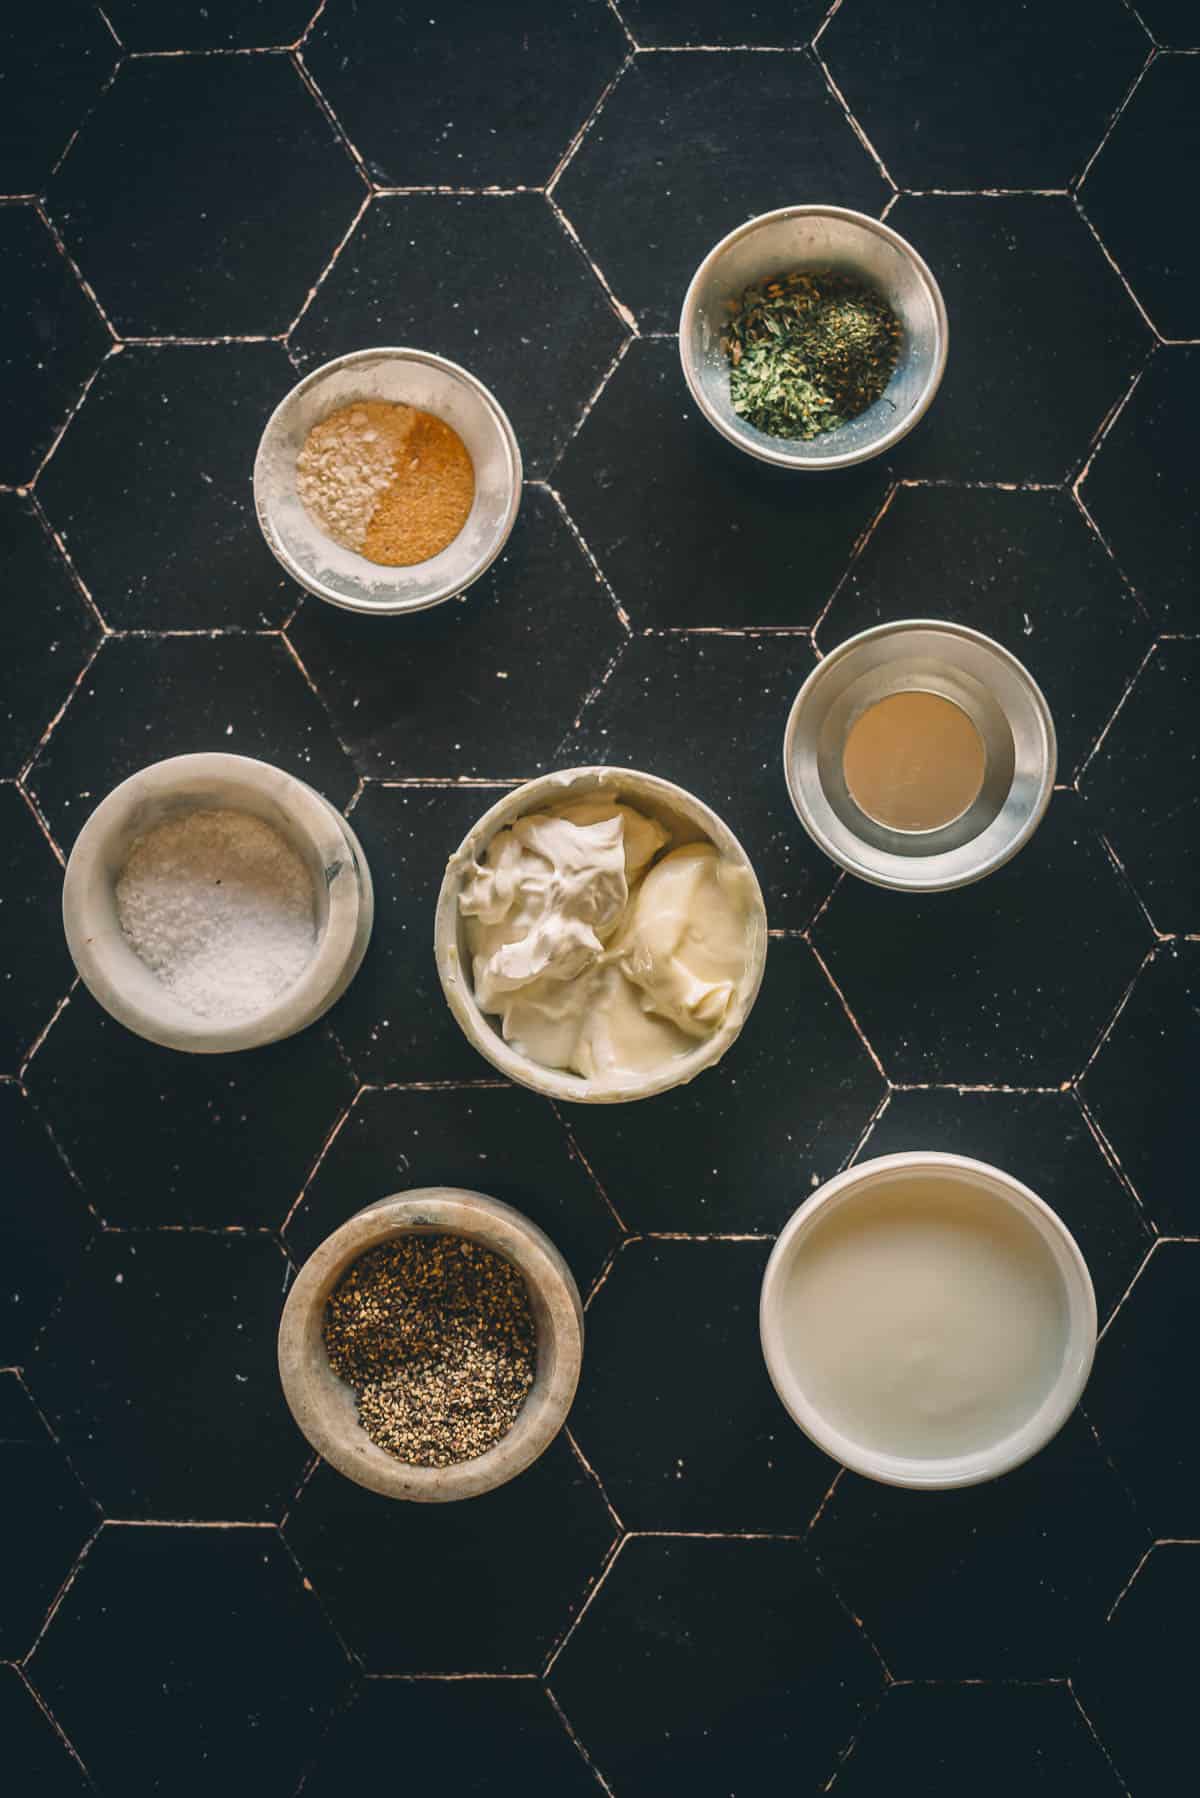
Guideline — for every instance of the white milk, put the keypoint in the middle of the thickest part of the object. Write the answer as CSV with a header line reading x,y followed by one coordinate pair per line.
x,y
923,1319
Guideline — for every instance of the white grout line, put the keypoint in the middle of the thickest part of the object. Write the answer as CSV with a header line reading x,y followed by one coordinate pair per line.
x,y
112,30
606,1567
59,543
569,1727
1107,1031
295,56
51,1719
601,1488
615,10
584,546
623,312
44,1032
317,285
853,123
1130,91
1125,1296
622,351
1134,678
858,1029
1117,270
1094,1733
589,121
576,1151
1109,1155
864,537
100,93
315,1169
56,1601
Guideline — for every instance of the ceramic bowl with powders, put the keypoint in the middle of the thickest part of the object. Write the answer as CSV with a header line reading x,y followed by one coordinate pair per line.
x,y
353,482
920,755
213,903
600,935
927,1320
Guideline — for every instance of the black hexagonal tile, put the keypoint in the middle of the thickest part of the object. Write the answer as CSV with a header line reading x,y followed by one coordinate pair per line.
x,y
992,1741
481,1587
1027,965
750,1138
48,1518
981,97
393,1020
1137,1681
1045,337
1023,568
1132,205
33,1748
209,24
44,1223
682,1424
158,1371
1142,1388
35,969
687,529
708,710
489,280
499,1140
1175,23
686,147
990,1582
1144,786
190,1660
1043,1140
447,692
53,62
1142,1091
150,488
1143,489
496,104
47,634
220,1139
162,196
52,339
782,24
712,1667
239,695
466,1737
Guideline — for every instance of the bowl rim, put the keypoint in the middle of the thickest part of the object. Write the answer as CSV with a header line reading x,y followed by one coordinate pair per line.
x,y
448,589
557,1083
340,947
449,1210
944,1473
800,459
943,627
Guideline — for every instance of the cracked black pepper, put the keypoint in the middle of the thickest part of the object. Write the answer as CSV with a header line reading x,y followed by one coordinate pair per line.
x,y
435,1336
808,352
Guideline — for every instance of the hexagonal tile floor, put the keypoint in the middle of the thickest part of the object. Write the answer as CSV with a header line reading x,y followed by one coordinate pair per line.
x,y
683,1595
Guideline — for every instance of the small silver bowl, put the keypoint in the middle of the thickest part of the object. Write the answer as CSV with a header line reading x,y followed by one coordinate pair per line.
x,y
414,378
824,237
1002,701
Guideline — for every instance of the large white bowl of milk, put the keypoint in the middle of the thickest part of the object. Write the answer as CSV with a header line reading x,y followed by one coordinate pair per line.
x,y
927,1320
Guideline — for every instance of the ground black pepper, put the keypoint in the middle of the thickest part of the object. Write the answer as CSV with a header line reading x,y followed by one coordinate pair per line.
x,y
435,1336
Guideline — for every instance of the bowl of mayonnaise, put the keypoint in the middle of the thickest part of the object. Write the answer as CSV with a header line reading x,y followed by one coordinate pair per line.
x,y
600,935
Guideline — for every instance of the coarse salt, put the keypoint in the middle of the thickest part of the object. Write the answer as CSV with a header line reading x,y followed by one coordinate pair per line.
x,y
221,908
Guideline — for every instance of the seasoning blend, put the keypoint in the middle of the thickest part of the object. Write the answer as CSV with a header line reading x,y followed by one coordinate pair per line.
x,y
435,1335
393,483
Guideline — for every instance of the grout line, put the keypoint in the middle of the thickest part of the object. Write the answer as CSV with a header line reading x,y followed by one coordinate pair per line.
x,y
56,1601
1109,1154
1117,270
869,1128
623,312
858,1029
53,1721
39,820
854,1618
826,902
1130,91
588,700
576,1151
1122,1301
621,352
606,1269
819,33
860,544
60,244
866,1715
597,108
1107,1031
112,30
1134,678
1118,1776
309,297
306,33
353,1661
853,123
615,10
101,91
40,1038
291,649
313,1171
1105,426
81,586
72,414
606,1567
824,1504
1127,882
585,546
433,1679
702,1236
296,58
601,1488
570,1730
1146,1553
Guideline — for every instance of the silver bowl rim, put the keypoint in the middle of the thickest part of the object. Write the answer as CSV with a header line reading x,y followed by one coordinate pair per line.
x,y
946,627
800,459
448,589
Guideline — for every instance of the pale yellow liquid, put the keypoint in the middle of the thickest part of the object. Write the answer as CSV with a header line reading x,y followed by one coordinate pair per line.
x,y
914,761
923,1320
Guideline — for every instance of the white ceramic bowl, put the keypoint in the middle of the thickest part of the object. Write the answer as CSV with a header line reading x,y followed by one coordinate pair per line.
x,y
994,1187
324,1406
689,820
415,378
122,983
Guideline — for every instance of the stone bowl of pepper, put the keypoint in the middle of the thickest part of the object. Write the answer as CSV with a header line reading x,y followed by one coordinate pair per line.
x,y
813,337
442,1376
387,431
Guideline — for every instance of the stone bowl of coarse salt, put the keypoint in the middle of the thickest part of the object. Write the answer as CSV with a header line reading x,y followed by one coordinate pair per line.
x,y
404,378
213,902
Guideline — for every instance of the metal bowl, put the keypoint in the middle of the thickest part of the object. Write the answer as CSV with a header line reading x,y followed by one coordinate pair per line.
x,y
816,237
998,695
415,378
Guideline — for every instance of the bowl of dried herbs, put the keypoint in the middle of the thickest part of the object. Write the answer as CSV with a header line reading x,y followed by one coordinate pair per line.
x,y
813,337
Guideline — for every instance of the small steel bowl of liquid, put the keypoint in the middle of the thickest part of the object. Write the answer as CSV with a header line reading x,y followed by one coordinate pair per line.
x,y
920,755
816,237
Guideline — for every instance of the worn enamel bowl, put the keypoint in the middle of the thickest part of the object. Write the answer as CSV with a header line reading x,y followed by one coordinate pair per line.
x,y
415,378
689,821
324,1406
817,237
120,981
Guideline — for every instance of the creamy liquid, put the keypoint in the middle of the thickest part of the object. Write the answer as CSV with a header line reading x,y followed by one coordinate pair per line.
x,y
922,1319
914,761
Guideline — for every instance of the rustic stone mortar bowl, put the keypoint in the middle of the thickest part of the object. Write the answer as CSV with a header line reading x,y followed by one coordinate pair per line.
x,y
690,821
121,982
816,237
414,378
324,1406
